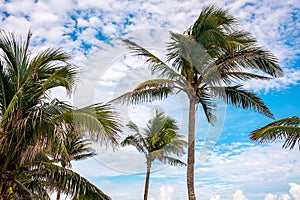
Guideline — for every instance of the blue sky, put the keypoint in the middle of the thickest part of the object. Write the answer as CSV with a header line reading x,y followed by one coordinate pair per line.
x,y
233,168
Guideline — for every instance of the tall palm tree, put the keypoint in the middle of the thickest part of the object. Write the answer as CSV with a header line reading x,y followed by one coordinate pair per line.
x,y
208,62
30,122
287,129
158,141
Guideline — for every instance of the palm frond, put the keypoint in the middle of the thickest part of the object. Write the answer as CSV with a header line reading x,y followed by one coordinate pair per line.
x,y
133,127
239,38
156,65
69,182
184,52
242,98
155,83
171,161
208,104
98,120
62,76
210,27
38,189
135,140
230,77
251,58
287,129
145,94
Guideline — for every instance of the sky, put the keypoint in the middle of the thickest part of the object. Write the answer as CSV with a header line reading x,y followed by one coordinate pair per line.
x,y
228,164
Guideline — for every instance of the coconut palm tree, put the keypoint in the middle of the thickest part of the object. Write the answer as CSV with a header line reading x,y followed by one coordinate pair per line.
x,y
30,122
158,141
208,62
287,129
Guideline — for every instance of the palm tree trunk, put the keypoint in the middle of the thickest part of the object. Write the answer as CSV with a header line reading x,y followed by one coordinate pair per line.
x,y
147,179
191,150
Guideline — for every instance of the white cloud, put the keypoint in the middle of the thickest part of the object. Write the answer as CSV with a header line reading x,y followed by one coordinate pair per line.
x,y
113,19
241,167
238,195
291,77
16,24
295,191
270,197
284,197
166,192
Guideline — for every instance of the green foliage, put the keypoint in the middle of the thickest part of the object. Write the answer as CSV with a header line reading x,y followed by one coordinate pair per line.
x,y
159,140
287,129
33,127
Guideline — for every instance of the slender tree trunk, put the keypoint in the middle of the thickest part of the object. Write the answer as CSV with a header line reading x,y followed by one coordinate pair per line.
x,y
191,150
147,179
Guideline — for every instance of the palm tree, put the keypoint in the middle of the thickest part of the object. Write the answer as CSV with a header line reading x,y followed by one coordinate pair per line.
x,y
74,148
208,62
286,128
30,122
158,141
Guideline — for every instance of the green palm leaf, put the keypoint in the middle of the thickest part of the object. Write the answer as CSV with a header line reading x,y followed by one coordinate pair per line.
x,y
98,120
74,184
144,94
242,98
156,65
287,129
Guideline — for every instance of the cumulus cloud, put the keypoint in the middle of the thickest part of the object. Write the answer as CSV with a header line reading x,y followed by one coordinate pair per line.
x,y
83,27
291,77
270,197
294,194
284,197
166,192
238,195
256,17
241,167
295,191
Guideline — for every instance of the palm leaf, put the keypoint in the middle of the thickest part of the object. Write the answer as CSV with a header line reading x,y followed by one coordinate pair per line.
x,y
145,94
252,58
208,104
287,129
211,25
241,98
69,182
135,140
156,65
230,77
98,120
171,161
